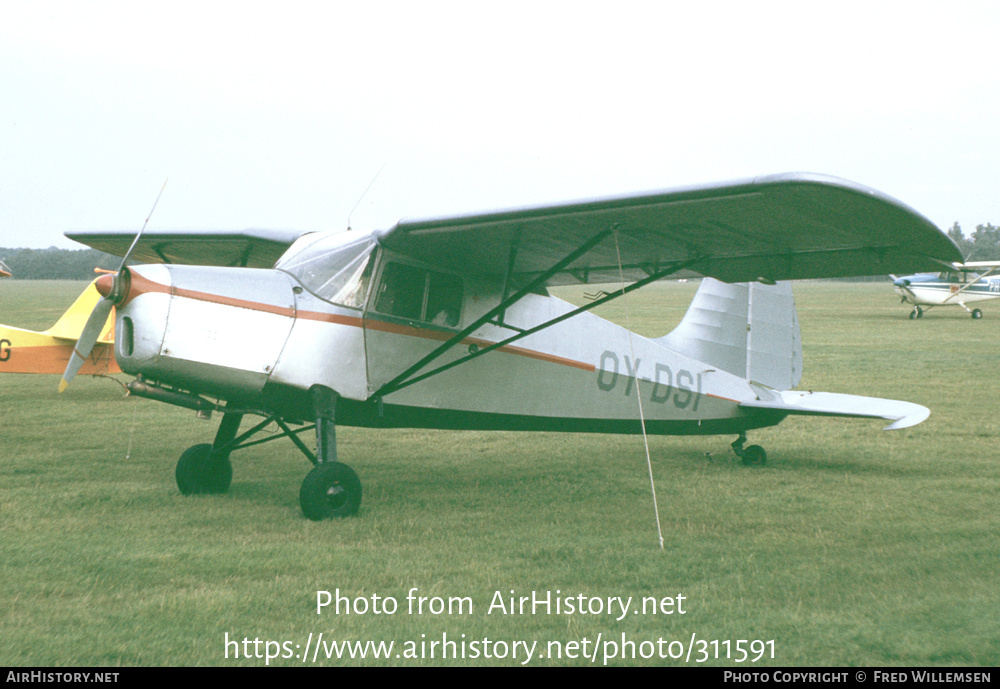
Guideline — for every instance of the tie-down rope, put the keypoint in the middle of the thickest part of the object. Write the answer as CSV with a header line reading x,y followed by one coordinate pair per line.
x,y
638,391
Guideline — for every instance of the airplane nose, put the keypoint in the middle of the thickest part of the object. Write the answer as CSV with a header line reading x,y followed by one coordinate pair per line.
x,y
105,284
205,329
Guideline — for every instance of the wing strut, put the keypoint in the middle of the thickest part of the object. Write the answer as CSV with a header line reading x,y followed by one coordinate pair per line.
x,y
979,279
405,380
397,382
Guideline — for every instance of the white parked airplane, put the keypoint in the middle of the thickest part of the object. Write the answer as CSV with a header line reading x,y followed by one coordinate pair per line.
x,y
961,284
448,323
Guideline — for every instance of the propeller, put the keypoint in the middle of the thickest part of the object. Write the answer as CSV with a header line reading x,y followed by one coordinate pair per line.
x,y
98,317
904,285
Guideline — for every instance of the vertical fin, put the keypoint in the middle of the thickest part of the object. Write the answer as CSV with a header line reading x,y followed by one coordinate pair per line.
x,y
750,330
71,322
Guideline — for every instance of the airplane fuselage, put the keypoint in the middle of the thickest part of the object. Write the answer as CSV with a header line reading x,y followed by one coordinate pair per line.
x,y
958,287
49,351
258,339
940,289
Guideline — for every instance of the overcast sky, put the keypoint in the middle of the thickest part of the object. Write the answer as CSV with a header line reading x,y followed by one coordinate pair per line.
x,y
280,114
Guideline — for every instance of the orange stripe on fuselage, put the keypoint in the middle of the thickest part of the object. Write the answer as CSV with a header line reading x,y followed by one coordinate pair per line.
x,y
142,285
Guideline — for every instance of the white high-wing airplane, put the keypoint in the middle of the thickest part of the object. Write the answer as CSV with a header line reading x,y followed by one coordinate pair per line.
x,y
960,284
448,323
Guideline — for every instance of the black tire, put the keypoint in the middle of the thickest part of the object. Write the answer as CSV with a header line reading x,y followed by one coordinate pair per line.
x,y
330,491
754,456
976,313
199,472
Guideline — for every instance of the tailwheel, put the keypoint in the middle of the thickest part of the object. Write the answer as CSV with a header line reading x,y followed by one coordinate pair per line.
x,y
200,471
329,491
753,455
976,313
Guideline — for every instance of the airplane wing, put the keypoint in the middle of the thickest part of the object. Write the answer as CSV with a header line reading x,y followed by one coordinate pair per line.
x,y
978,265
248,248
783,227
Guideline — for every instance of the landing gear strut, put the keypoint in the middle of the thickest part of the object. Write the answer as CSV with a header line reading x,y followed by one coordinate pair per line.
x,y
975,313
751,456
330,490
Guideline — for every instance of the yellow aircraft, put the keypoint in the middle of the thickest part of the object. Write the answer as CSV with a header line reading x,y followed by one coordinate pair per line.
x,y
28,351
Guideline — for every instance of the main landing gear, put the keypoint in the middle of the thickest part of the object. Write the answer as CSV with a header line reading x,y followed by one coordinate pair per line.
x,y
976,314
753,455
330,490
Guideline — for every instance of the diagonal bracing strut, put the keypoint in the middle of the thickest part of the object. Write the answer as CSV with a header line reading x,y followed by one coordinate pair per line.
x,y
408,378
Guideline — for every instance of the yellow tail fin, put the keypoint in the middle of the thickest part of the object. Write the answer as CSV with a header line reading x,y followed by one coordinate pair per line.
x,y
70,324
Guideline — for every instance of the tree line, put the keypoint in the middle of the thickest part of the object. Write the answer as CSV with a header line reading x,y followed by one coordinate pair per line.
x,y
57,264
984,245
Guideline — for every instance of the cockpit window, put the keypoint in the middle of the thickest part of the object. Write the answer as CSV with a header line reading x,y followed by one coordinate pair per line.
x,y
335,267
401,293
420,295
958,276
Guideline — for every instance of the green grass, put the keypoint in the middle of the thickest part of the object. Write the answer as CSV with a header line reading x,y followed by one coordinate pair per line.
x,y
852,546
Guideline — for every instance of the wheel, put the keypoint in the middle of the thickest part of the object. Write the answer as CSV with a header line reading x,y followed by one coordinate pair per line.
x,y
754,456
976,313
917,312
329,491
201,472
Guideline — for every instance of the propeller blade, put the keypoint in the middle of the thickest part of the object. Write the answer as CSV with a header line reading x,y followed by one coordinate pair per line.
x,y
88,338
128,254
99,316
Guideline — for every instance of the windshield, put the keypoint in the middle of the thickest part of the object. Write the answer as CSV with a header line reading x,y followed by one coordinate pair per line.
x,y
334,267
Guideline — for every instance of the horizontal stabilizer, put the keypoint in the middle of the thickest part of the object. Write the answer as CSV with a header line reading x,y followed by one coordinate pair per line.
x,y
902,414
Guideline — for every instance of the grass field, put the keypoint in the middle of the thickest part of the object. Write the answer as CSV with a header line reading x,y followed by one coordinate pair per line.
x,y
853,546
